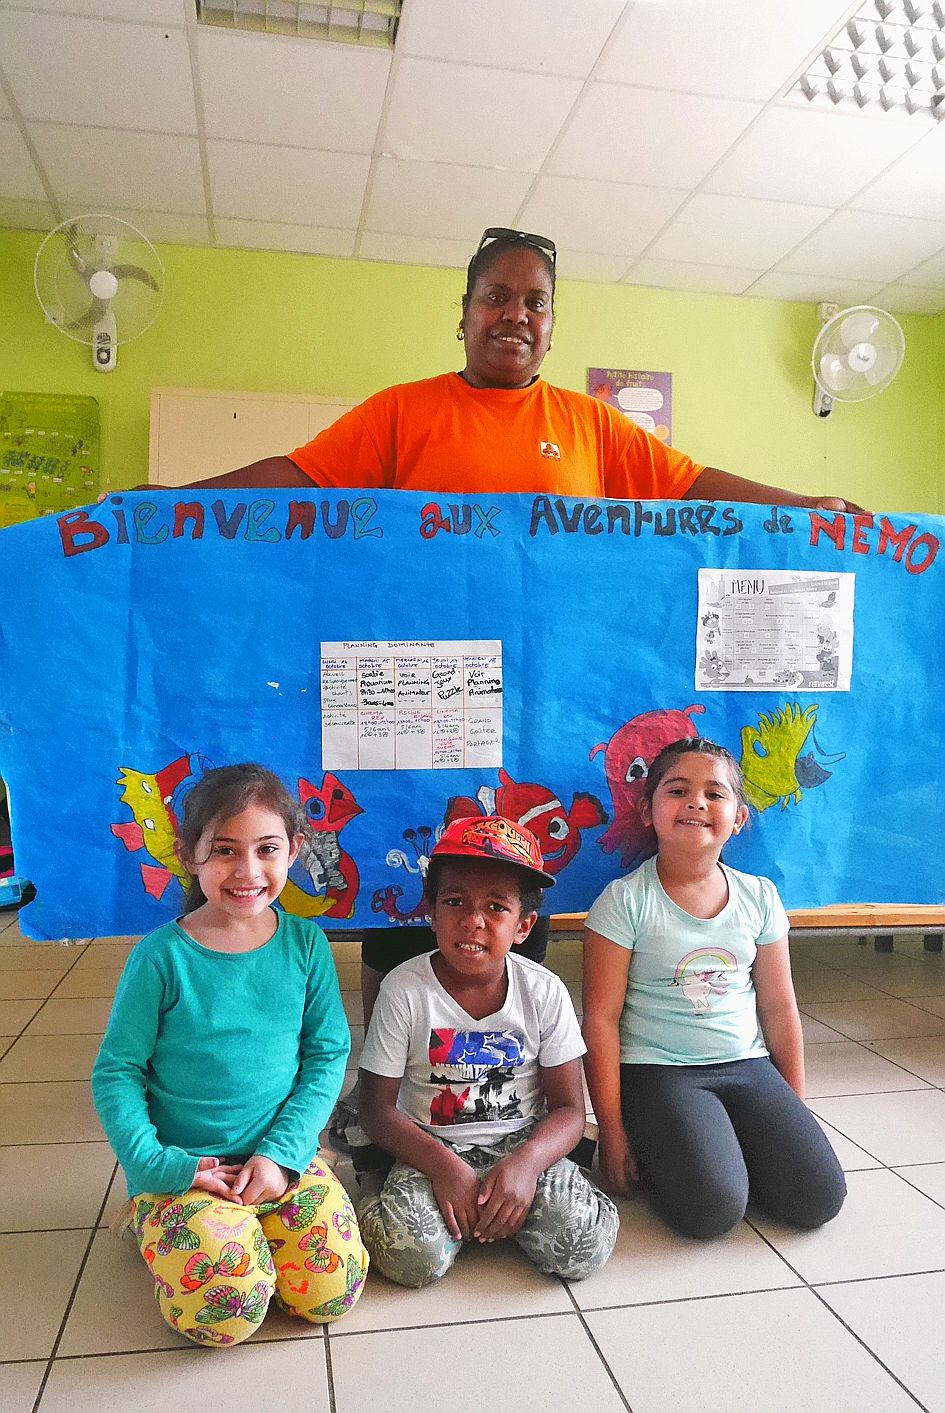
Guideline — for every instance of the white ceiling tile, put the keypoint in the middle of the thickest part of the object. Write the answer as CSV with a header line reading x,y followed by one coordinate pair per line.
x,y
677,274
864,246
275,235
609,218
519,36
416,250
736,230
292,185
18,175
914,186
588,265
930,274
435,199
812,289
482,117
800,154
270,88
643,135
160,227
98,72
26,215
739,48
102,167
159,12
907,299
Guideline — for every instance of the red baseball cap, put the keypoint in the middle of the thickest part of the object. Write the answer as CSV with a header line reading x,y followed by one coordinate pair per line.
x,y
493,837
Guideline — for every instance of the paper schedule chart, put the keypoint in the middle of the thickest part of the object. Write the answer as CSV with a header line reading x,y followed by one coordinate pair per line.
x,y
411,705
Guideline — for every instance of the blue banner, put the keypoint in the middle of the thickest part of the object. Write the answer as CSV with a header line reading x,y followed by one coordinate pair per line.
x,y
539,650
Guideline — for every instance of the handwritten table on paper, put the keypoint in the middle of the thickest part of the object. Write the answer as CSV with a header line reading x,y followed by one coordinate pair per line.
x,y
419,705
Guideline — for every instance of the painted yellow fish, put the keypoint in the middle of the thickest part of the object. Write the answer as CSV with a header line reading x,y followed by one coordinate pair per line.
x,y
149,797
770,753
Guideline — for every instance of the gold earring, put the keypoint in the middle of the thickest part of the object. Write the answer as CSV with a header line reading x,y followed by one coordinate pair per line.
x,y
460,332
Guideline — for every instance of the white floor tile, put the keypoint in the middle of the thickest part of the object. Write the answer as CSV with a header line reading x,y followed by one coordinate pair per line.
x,y
114,1311
884,1228
48,1113
14,1015
42,1057
883,1019
497,1278
901,1320
40,1268
49,1186
897,1128
529,1365
251,1376
22,985
845,1067
924,1057
852,1158
815,1032
35,956
82,1016
88,981
773,1352
653,1263
20,1384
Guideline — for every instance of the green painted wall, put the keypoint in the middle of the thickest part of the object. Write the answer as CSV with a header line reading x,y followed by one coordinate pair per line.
x,y
268,322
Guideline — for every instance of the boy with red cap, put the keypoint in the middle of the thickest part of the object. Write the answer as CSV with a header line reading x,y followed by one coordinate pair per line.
x,y
471,1078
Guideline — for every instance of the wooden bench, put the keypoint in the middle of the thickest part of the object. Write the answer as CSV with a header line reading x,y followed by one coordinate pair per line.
x,y
881,921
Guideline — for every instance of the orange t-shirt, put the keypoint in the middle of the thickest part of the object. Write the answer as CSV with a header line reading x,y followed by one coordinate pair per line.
x,y
443,435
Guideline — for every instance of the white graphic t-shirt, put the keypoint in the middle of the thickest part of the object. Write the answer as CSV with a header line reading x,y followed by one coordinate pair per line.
x,y
471,1081
690,997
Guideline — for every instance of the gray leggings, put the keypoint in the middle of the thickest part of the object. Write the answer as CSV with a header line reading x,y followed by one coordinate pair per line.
x,y
570,1230
709,1137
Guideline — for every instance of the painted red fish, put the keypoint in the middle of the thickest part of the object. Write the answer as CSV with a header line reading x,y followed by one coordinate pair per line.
x,y
333,872
628,756
558,830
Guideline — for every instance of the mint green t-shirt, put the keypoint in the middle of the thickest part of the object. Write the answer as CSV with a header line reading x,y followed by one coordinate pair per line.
x,y
690,998
222,1054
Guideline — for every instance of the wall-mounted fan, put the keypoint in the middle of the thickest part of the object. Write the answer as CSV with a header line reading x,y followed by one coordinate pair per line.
x,y
856,355
101,282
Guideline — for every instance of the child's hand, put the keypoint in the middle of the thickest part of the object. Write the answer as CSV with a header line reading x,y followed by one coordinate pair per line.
x,y
216,1177
456,1189
508,1191
260,1180
618,1162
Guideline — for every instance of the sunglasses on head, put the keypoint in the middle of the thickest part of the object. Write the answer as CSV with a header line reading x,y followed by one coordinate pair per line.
x,y
504,233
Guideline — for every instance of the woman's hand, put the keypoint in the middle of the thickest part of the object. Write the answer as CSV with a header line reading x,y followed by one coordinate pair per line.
x,y
618,1162
508,1191
260,1180
217,1178
456,1188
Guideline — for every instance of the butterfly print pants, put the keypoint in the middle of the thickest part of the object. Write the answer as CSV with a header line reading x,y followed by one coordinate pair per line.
x,y
216,1265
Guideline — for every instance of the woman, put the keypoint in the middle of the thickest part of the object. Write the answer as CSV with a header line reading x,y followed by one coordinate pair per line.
x,y
496,427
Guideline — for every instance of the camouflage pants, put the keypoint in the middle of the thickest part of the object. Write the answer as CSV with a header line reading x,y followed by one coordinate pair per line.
x,y
570,1230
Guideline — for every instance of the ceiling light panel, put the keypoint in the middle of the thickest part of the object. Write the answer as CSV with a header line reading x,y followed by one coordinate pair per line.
x,y
371,22
889,57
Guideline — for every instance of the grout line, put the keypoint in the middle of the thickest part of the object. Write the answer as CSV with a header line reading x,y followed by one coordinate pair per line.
x,y
451,1323
330,1373
595,1346
75,1289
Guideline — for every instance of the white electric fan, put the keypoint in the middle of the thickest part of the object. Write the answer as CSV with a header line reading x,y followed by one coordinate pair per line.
x,y
101,282
856,355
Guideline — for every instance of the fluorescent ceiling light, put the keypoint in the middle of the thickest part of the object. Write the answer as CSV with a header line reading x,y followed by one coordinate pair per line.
x,y
372,22
890,56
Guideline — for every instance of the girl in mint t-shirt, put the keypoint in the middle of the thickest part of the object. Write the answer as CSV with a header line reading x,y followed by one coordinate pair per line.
x,y
695,1059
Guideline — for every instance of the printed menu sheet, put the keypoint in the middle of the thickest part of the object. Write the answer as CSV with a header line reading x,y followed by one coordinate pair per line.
x,y
434,705
767,630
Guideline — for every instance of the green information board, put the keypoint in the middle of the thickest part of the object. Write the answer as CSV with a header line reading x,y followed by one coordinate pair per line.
x,y
49,454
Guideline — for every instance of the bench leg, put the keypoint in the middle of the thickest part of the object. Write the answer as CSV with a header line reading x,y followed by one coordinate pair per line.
x,y
932,942
884,943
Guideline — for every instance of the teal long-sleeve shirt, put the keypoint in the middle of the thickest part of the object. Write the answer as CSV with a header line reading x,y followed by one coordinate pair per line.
x,y
219,1053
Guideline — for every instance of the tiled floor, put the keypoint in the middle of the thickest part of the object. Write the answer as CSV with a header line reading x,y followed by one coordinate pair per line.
x,y
766,1320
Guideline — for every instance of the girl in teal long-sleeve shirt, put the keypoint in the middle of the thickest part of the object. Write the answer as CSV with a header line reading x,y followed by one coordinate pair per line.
x,y
223,1057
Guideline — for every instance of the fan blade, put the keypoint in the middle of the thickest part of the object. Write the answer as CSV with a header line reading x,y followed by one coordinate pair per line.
x,y
859,327
885,368
134,272
835,376
91,316
75,259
